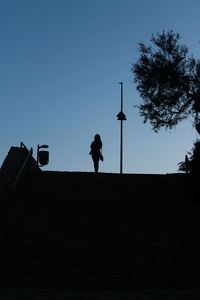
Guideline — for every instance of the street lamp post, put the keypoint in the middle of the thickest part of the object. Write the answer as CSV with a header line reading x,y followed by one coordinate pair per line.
x,y
121,117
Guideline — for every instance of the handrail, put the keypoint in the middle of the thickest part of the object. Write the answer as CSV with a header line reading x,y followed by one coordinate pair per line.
x,y
23,146
22,169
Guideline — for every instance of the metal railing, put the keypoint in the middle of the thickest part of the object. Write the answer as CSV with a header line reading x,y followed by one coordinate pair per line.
x,y
16,181
23,146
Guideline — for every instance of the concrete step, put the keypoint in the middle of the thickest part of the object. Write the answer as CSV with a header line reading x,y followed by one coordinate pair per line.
x,y
136,230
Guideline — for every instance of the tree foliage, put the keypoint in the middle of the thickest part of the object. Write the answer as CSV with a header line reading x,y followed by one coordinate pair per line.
x,y
168,80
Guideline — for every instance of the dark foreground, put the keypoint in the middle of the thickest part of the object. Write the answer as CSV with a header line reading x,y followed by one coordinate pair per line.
x,y
149,294
101,236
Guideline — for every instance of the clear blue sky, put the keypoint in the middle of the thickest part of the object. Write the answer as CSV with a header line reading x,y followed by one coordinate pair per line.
x,y
60,64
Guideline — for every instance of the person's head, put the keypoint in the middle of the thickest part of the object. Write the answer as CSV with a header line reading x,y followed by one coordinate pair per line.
x,y
97,137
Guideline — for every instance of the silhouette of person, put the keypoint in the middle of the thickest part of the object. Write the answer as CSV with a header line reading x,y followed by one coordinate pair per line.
x,y
96,147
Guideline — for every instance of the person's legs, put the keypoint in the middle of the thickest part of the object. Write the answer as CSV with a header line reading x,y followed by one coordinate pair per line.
x,y
96,163
96,166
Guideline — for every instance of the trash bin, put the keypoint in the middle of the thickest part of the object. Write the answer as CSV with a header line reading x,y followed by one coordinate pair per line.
x,y
43,157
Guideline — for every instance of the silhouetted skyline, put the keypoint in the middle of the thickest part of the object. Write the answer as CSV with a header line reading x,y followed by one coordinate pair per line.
x,y
61,62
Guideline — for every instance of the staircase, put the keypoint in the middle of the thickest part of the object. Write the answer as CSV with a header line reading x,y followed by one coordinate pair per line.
x,y
18,162
84,230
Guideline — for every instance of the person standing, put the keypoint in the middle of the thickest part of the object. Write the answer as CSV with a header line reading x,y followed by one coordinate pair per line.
x,y
96,147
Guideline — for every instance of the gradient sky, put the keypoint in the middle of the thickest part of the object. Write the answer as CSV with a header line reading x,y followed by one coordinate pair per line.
x,y
60,64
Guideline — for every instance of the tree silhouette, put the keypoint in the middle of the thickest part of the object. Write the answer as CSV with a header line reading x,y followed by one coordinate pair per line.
x,y
168,80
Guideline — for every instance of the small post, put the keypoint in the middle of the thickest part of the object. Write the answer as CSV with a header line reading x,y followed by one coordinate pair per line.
x,y
186,164
38,148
